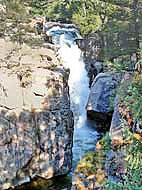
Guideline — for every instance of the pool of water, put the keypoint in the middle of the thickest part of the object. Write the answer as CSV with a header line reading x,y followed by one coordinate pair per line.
x,y
58,183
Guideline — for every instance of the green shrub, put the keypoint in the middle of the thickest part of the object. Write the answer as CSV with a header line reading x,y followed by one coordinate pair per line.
x,y
134,155
133,165
130,93
119,66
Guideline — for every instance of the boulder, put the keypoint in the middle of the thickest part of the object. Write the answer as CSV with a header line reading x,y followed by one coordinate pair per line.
x,y
36,123
93,68
103,46
103,87
116,129
115,165
90,47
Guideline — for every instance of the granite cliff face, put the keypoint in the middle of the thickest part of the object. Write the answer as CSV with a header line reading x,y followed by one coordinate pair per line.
x,y
36,123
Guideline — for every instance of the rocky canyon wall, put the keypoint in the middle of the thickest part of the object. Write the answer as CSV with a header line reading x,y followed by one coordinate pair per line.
x,y
36,123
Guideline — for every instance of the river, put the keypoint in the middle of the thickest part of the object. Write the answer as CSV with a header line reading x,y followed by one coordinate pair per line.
x,y
85,136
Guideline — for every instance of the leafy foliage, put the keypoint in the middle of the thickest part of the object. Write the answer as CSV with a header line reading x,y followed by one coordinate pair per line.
x,y
114,21
134,158
130,92
94,161
131,183
14,14
119,65
15,23
106,142
92,22
59,10
133,167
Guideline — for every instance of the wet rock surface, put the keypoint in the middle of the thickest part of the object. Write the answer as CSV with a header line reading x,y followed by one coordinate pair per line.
x,y
93,68
36,123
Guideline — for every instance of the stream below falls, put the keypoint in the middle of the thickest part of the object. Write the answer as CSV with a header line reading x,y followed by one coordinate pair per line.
x,y
85,135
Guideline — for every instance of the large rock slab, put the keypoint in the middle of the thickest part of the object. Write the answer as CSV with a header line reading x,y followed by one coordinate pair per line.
x,y
91,49
36,123
93,69
115,162
98,105
116,129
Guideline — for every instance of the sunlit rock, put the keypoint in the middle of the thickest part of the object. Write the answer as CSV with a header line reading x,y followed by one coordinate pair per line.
x,y
34,124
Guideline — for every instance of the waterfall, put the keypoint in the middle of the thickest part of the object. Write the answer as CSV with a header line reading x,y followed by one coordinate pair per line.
x,y
78,80
84,135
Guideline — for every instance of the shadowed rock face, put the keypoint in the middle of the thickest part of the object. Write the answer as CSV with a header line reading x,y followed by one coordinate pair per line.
x,y
116,129
36,123
98,106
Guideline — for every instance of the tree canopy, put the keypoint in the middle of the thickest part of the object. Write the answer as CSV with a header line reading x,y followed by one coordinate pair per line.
x,y
117,22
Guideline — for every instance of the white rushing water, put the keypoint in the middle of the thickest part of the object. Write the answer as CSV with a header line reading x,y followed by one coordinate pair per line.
x,y
85,135
78,80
